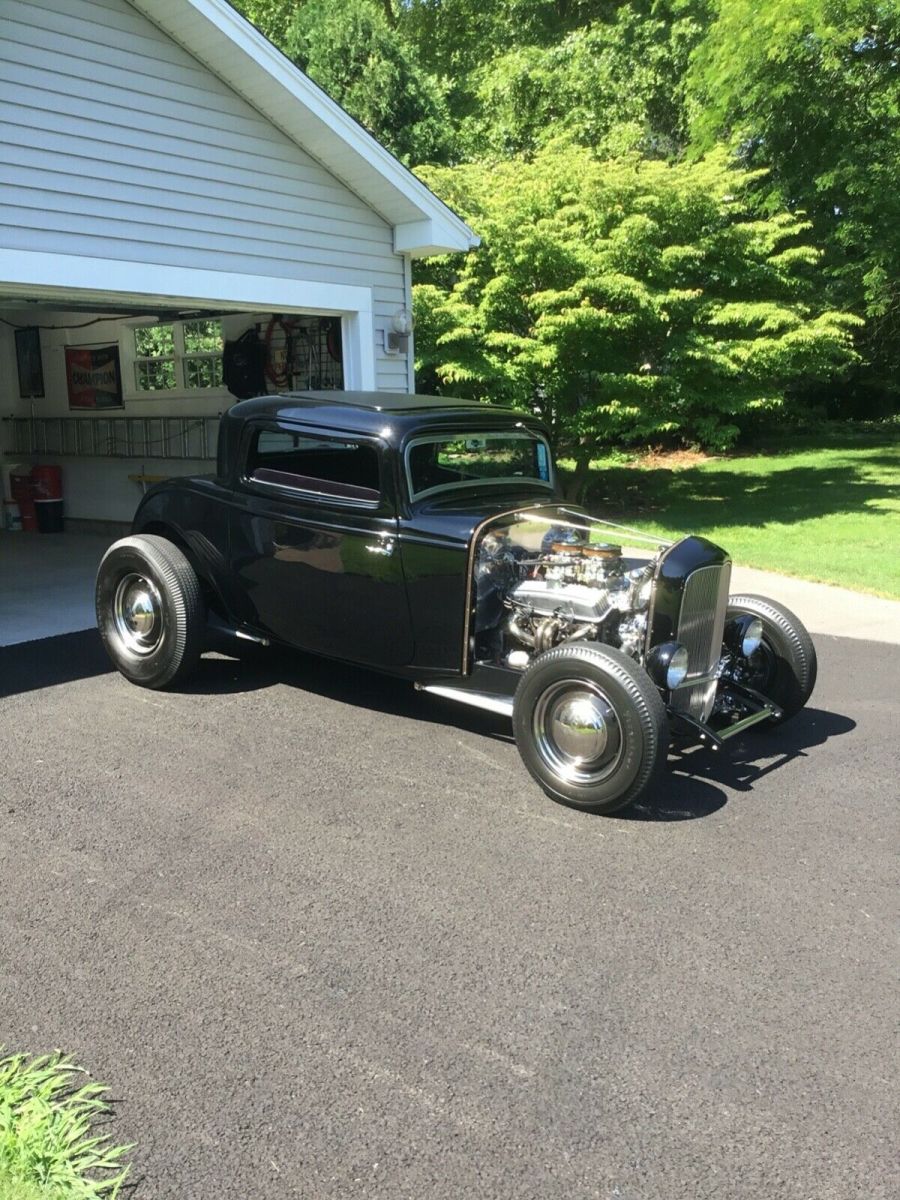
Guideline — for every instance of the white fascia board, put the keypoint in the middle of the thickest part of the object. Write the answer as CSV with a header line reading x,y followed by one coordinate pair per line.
x,y
217,35
28,274
421,238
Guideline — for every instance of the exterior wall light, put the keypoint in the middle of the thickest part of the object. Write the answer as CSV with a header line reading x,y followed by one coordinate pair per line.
x,y
399,334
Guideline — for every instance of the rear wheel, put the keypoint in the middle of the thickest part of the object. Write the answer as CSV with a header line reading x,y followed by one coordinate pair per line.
x,y
784,667
591,727
150,610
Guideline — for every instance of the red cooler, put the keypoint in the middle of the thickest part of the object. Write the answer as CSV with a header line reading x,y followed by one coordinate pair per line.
x,y
23,493
46,484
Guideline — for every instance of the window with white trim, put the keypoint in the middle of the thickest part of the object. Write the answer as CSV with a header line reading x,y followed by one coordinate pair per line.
x,y
182,355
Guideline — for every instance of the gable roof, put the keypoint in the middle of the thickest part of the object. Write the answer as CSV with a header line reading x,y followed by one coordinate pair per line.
x,y
219,37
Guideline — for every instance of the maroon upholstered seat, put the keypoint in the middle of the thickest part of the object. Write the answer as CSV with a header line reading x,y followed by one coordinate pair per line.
x,y
306,483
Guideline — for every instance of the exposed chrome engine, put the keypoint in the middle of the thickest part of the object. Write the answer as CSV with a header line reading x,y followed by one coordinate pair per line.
x,y
567,590
541,581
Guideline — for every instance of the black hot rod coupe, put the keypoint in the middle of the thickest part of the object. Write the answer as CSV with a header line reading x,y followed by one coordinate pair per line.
x,y
428,538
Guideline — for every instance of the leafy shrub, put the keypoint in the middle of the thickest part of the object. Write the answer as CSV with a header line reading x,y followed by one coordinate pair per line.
x,y
47,1148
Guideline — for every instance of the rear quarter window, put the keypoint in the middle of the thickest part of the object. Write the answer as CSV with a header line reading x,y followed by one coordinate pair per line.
x,y
341,469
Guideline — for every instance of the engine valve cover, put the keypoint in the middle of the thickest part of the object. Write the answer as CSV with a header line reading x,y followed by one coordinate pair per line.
x,y
548,598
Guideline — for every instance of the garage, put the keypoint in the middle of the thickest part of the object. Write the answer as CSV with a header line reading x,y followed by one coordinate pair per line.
x,y
185,218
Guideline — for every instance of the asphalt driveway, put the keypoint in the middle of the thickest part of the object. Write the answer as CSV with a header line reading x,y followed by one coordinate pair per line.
x,y
324,938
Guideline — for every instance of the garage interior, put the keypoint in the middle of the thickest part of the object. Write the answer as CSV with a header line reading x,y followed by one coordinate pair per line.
x,y
119,398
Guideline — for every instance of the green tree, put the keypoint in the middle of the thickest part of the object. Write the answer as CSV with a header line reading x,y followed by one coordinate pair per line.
x,y
271,17
442,78
456,37
811,90
350,49
624,300
613,85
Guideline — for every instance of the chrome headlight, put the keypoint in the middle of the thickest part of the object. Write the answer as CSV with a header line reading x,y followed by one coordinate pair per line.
x,y
744,634
752,639
667,664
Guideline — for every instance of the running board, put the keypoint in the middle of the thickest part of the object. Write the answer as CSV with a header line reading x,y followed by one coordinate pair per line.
x,y
216,625
502,705
246,636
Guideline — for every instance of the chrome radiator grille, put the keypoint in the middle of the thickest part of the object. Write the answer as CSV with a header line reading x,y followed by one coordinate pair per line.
x,y
700,628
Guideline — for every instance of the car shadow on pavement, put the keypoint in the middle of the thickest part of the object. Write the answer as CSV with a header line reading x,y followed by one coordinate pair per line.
x,y
695,776
696,782
251,668
30,666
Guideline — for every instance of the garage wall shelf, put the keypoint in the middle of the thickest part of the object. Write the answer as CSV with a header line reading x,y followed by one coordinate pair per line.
x,y
112,437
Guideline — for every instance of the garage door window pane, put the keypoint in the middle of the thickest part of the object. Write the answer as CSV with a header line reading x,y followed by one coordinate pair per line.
x,y
155,376
203,353
203,372
155,341
154,362
203,337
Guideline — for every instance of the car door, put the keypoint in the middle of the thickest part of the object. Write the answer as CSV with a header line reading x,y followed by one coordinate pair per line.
x,y
314,543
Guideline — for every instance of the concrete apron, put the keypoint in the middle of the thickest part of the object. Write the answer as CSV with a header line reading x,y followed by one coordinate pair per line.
x,y
823,608
47,583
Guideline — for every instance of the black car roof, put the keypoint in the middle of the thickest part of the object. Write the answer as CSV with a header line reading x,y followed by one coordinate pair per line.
x,y
365,412
386,401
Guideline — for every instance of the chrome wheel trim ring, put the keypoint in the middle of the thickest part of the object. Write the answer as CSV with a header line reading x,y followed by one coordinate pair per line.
x,y
577,732
138,613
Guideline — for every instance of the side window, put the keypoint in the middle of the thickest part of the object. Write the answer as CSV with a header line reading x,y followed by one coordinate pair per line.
x,y
343,470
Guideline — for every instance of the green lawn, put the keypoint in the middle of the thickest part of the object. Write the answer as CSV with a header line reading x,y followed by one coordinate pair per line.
x,y
827,513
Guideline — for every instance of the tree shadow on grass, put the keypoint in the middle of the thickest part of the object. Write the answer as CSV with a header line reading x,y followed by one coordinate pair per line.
x,y
691,500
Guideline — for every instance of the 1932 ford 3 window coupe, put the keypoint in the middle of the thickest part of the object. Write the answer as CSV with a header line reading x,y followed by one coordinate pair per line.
x,y
427,537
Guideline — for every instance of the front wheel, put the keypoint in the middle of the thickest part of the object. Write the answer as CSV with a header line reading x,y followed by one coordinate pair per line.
x,y
591,727
150,610
784,667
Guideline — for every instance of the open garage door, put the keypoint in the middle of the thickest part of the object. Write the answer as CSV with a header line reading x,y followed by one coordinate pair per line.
x,y
121,389
128,397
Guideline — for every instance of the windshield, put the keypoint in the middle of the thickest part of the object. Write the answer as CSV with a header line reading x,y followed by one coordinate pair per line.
x,y
460,459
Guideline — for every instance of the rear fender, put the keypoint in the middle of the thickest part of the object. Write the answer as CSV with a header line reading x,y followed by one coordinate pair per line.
x,y
203,542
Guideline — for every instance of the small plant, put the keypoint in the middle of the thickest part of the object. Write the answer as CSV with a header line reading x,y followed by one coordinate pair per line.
x,y
47,1148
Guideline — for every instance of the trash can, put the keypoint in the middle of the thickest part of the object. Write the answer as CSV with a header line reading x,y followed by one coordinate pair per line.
x,y
49,515
46,487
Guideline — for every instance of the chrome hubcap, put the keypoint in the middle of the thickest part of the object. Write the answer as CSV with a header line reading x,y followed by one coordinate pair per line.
x,y
577,732
579,728
138,613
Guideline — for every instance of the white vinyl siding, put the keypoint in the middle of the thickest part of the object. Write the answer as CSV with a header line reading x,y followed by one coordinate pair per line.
x,y
118,144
